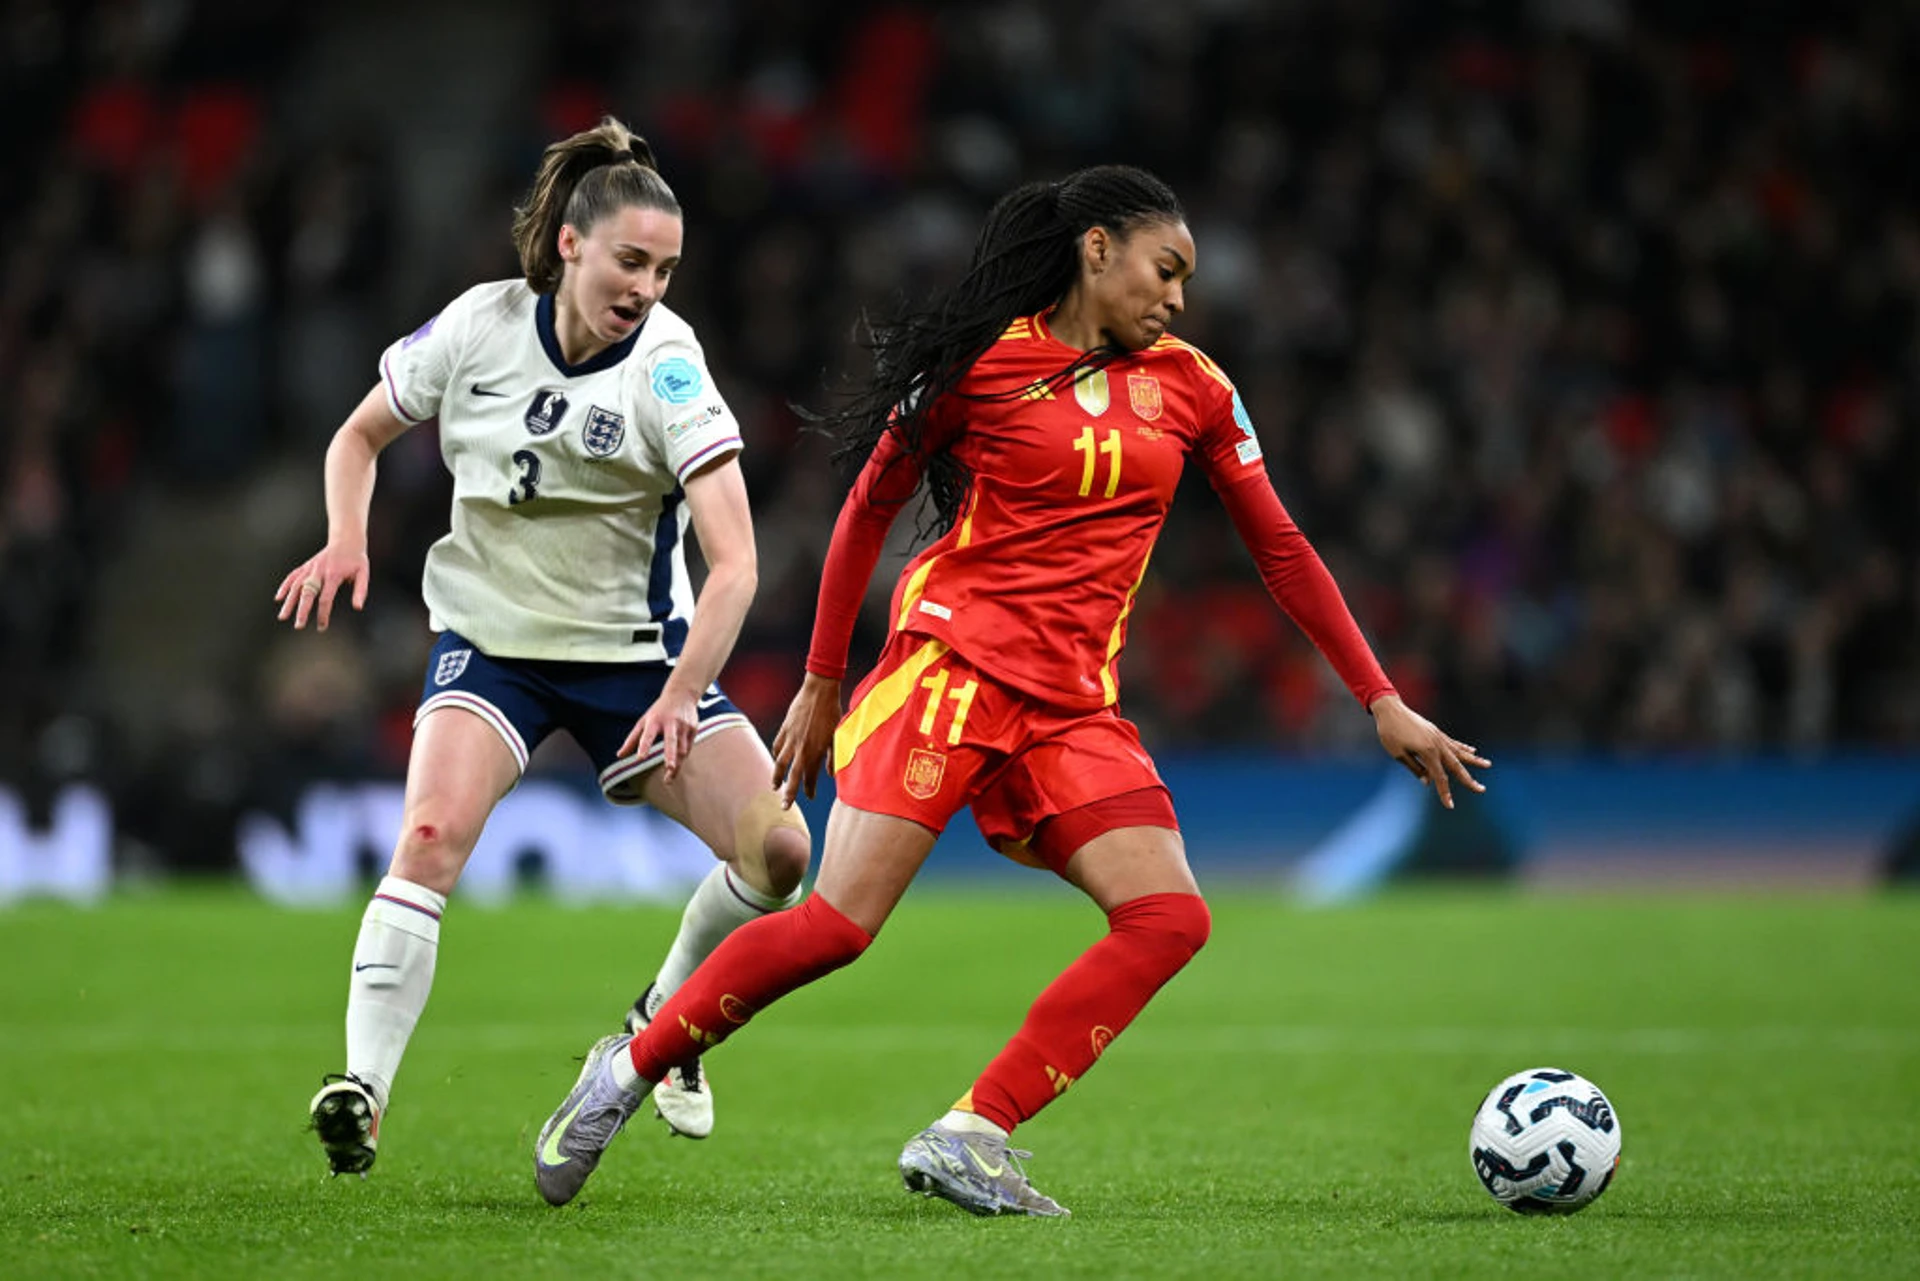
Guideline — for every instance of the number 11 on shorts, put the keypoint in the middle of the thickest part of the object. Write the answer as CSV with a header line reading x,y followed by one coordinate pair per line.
x,y
962,696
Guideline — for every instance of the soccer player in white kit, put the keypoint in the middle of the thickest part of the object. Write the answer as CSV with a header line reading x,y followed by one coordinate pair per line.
x,y
584,434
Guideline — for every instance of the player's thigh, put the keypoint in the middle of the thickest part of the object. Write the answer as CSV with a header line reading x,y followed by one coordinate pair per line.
x,y
724,794
459,769
1126,863
718,775
867,861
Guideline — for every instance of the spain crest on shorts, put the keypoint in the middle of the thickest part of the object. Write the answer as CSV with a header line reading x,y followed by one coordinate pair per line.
x,y
603,431
1143,393
451,664
924,771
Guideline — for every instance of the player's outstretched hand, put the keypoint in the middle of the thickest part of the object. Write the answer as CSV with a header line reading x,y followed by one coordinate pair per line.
x,y
310,589
671,722
805,737
1433,756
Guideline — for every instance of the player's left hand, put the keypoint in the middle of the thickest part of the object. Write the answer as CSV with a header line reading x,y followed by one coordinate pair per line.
x,y
310,588
806,738
1427,751
670,722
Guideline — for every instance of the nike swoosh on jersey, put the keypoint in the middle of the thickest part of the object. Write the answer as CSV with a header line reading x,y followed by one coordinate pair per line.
x,y
550,1153
478,390
373,965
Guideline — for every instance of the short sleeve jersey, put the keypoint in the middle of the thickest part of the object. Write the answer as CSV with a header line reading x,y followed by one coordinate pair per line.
x,y
569,520
1071,485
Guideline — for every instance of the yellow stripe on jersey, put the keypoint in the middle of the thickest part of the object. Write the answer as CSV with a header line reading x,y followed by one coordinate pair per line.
x,y
917,585
883,702
1200,358
911,596
1022,327
1107,686
966,518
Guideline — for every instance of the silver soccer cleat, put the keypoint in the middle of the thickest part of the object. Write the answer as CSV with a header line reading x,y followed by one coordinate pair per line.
x,y
577,1134
977,1172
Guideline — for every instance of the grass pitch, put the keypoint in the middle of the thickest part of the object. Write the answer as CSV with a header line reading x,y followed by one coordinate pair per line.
x,y
1295,1103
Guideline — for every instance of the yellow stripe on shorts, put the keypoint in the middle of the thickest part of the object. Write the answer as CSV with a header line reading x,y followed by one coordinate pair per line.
x,y
883,702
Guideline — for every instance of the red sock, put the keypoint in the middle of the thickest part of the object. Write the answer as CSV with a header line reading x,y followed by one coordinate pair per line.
x,y
754,966
1093,1000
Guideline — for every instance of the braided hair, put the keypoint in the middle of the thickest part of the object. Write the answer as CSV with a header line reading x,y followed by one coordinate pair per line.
x,y
582,179
1025,260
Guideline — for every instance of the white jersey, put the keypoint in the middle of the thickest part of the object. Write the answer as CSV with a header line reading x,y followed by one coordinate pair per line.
x,y
569,523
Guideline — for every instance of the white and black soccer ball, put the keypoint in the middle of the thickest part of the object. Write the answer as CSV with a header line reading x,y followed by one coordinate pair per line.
x,y
1545,1142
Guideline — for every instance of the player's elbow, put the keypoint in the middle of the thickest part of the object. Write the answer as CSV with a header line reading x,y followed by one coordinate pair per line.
x,y
736,577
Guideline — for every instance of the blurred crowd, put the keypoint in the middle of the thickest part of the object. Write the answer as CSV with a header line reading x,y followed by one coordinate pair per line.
x,y
1580,336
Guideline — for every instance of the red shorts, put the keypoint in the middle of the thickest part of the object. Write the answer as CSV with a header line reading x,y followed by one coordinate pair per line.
x,y
928,732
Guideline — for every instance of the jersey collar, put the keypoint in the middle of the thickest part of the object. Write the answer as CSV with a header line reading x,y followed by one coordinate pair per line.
x,y
550,341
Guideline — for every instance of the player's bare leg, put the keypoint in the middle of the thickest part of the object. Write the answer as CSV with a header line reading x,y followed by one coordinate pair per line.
x,y
459,769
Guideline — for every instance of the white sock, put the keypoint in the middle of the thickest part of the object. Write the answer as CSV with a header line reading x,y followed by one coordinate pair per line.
x,y
392,975
970,1122
721,904
625,1077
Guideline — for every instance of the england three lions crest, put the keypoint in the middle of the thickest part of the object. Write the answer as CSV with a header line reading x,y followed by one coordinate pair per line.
x,y
1143,393
603,431
451,665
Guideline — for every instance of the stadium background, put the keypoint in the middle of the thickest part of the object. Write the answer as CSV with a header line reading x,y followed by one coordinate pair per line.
x,y
1581,338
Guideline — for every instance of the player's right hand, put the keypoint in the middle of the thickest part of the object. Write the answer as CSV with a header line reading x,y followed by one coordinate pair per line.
x,y
310,589
805,737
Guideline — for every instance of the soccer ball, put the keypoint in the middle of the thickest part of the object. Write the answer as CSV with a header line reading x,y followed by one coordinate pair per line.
x,y
1545,1142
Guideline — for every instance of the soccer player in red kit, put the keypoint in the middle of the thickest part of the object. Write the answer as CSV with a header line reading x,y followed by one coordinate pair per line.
x,y
1049,413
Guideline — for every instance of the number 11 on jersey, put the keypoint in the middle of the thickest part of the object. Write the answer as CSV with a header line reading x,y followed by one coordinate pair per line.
x,y
962,696
1110,447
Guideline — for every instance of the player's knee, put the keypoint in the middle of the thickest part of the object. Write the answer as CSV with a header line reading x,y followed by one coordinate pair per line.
x,y
832,939
1176,925
787,852
1190,923
433,849
771,845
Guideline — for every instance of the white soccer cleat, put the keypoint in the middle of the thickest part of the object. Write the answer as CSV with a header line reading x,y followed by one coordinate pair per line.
x,y
682,1099
346,1116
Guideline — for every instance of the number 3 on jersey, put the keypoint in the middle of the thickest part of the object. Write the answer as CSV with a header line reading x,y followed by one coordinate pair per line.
x,y
1111,448
527,487
937,693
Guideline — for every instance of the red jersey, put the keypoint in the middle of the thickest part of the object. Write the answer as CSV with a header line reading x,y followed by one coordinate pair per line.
x,y
1070,487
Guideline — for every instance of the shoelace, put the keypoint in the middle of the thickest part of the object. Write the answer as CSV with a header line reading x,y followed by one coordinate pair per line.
x,y
1018,1156
690,1076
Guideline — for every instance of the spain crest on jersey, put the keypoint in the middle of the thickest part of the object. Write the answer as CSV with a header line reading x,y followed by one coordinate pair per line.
x,y
1143,393
924,771
451,664
1090,389
603,431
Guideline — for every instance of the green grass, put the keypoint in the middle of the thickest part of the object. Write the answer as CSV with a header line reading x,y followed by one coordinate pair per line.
x,y
1296,1103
